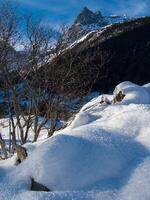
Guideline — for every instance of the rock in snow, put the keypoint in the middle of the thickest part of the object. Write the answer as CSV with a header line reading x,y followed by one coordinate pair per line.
x,y
103,154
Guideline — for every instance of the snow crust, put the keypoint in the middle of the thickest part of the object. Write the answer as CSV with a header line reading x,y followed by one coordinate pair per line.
x,y
104,154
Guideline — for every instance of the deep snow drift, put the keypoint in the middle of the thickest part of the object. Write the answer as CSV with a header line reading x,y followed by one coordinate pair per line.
x,y
103,154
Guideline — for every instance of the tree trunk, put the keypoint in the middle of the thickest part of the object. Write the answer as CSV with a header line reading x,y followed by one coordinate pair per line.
x,y
36,135
3,146
53,123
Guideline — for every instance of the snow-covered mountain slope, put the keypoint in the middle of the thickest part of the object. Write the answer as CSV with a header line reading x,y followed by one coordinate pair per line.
x,y
88,21
103,154
117,19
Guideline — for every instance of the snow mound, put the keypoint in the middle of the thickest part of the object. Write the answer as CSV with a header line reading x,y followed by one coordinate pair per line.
x,y
138,186
103,154
70,162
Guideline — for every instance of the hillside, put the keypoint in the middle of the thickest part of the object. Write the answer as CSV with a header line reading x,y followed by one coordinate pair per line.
x,y
110,55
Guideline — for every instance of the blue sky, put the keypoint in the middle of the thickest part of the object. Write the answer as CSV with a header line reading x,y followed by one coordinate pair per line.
x,y
56,12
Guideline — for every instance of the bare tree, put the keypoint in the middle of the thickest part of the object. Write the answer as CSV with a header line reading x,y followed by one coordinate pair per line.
x,y
38,48
8,39
48,75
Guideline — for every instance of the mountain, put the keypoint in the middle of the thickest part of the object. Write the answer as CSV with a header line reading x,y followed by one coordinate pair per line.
x,y
88,21
87,17
105,57
117,19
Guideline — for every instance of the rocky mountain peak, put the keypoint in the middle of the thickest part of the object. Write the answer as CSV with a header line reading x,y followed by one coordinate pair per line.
x,y
87,17
85,9
98,13
88,21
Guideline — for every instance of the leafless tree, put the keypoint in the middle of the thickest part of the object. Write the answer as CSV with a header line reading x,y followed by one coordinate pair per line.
x,y
8,38
48,75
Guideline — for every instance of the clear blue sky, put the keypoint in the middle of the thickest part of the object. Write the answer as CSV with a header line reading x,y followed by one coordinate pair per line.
x,y
65,11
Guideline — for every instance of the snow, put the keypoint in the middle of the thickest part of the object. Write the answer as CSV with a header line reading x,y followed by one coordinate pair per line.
x,y
103,154
83,38
112,19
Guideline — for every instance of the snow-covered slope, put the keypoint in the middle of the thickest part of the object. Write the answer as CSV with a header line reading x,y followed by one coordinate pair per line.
x,y
88,21
103,154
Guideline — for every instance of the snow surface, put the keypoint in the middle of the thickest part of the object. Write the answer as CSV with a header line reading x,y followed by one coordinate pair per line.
x,y
104,154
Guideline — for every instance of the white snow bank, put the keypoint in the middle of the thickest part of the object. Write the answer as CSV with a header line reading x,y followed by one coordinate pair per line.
x,y
104,154
138,186
70,162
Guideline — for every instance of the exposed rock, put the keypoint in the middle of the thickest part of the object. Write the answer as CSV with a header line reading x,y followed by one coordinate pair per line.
x,y
21,153
119,97
20,150
87,17
35,186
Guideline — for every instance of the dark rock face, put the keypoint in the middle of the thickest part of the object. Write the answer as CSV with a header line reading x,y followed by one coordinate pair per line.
x,y
119,53
129,59
35,186
87,17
